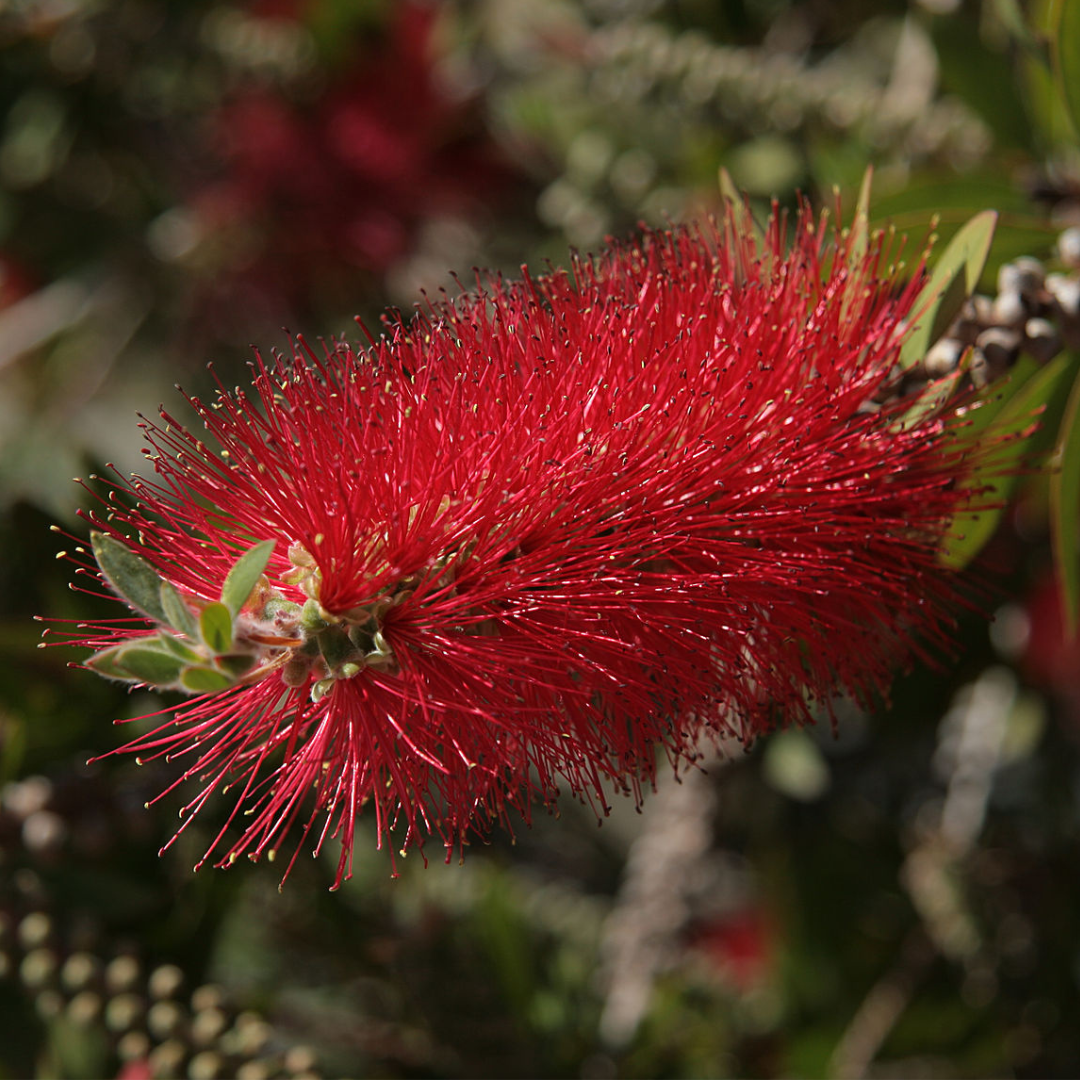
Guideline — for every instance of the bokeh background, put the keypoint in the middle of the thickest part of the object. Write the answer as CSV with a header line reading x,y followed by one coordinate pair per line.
x,y
180,179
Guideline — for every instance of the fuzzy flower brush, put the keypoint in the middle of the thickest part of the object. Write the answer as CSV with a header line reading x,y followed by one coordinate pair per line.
x,y
511,548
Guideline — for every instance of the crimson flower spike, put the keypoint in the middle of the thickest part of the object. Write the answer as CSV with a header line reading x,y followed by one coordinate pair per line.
x,y
522,541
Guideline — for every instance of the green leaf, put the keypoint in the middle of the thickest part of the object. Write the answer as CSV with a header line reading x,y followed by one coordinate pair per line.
x,y
860,226
955,277
105,663
177,614
952,300
216,628
935,395
997,395
235,664
200,680
178,648
1065,512
244,576
1066,59
1019,431
740,208
1012,18
130,575
146,664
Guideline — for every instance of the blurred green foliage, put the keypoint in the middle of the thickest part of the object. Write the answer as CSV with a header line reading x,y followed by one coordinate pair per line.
x,y
898,898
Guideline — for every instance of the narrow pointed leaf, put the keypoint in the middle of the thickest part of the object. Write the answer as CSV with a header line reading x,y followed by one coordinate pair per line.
x,y
178,648
1022,431
1065,512
136,580
216,628
940,301
244,575
952,300
177,614
153,666
1011,16
971,425
860,226
1066,59
106,663
744,217
200,680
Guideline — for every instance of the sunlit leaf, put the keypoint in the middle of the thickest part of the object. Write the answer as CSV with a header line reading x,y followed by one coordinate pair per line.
x,y
216,627
177,647
955,277
1066,59
200,680
106,663
744,218
860,226
1018,429
1065,511
177,614
155,666
949,305
972,424
244,575
136,580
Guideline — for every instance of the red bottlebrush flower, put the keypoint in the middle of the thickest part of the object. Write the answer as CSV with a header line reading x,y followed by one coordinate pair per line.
x,y
516,544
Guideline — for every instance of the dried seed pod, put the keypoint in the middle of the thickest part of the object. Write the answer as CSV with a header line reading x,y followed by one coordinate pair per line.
x,y
207,997
43,831
38,968
35,930
165,981
1009,309
1065,290
942,357
257,1069
133,1045
165,1019
1068,246
122,974
79,971
25,797
207,1025
167,1059
249,1034
979,369
123,1012
975,316
84,1008
207,1065
1042,340
300,1059
1024,275
1000,347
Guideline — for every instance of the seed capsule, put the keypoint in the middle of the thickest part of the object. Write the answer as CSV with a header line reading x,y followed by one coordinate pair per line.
x,y
1041,340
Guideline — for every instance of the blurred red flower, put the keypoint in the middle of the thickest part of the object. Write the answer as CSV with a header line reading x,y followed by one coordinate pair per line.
x,y
529,536
742,946
340,184
1051,657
